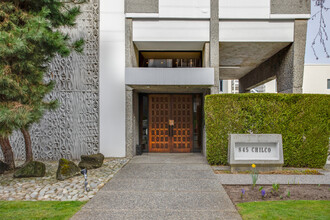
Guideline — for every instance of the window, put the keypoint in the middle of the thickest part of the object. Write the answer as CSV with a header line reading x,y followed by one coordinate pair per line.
x,y
235,86
328,83
168,59
221,86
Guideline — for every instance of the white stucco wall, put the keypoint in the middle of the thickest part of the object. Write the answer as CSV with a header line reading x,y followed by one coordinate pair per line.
x,y
240,9
256,31
112,78
315,78
184,8
170,30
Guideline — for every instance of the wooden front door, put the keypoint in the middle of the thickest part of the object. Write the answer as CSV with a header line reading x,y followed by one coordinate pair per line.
x,y
170,123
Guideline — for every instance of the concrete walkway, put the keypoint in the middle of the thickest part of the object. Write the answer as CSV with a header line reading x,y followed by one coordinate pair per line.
x,y
162,186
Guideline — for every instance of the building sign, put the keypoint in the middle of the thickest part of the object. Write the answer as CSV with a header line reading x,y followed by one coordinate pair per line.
x,y
256,151
263,149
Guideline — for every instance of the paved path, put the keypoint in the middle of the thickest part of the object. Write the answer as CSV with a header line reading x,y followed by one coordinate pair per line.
x,y
162,186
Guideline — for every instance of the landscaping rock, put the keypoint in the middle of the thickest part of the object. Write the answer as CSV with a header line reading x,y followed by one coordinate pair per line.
x,y
32,169
48,188
66,169
3,167
91,161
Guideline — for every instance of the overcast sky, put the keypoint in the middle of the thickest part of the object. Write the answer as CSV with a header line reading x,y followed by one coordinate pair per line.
x,y
313,27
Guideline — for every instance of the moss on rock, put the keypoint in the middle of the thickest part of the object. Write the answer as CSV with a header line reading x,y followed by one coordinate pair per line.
x,y
66,169
31,169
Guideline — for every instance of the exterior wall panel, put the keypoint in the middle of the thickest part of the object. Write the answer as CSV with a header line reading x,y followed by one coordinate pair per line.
x,y
169,76
257,31
112,79
169,30
139,6
242,9
73,128
184,9
290,7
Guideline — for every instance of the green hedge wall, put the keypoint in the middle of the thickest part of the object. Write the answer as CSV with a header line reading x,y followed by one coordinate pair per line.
x,y
302,119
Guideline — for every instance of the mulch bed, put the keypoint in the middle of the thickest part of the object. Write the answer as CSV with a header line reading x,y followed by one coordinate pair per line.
x,y
297,192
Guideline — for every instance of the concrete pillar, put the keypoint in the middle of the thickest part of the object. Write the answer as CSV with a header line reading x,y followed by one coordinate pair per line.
x,y
135,120
298,47
287,66
214,43
206,55
129,123
204,128
131,52
131,60
290,80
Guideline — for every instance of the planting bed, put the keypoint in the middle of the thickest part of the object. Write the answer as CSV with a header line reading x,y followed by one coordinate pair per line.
x,y
280,172
297,192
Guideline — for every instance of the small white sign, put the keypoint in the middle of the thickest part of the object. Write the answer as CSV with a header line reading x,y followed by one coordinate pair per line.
x,y
256,151
247,149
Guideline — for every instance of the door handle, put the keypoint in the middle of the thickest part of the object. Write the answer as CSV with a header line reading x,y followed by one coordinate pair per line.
x,y
170,128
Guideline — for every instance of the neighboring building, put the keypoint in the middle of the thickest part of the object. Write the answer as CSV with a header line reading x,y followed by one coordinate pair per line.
x,y
268,87
157,61
317,78
232,86
229,86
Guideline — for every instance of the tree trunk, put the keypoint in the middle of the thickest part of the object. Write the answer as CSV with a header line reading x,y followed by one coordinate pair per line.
x,y
28,145
7,152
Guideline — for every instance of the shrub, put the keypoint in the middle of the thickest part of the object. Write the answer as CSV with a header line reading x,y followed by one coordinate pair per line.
x,y
302,119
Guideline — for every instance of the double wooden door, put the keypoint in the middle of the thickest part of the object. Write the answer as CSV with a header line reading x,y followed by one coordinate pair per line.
x,y
170,123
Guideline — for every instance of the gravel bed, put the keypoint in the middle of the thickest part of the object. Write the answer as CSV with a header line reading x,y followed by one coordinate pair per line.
x,y
49,189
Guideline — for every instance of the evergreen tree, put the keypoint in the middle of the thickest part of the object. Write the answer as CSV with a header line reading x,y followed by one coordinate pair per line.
x,y
30,37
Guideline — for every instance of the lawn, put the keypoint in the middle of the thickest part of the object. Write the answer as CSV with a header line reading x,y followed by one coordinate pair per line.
x,y
292,209
38,209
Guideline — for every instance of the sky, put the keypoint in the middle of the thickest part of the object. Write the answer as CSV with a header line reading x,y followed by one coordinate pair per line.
x,y
312,30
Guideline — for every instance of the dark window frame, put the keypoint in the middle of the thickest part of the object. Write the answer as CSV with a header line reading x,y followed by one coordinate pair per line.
x,y
142,59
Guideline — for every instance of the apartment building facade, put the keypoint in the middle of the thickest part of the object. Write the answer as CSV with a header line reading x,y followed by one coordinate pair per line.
x,y
149,63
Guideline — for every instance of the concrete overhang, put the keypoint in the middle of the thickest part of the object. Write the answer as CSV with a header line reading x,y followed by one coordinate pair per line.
x,y
170,76
239,58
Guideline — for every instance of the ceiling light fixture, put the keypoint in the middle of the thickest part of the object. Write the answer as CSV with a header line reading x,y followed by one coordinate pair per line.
x,y
229,67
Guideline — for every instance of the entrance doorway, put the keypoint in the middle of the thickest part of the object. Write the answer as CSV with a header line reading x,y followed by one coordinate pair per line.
x,y
170,123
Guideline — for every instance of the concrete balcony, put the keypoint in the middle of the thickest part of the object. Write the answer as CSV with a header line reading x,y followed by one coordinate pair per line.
x,y
170,76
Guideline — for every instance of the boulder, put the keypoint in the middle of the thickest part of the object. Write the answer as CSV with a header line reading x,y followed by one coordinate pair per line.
x,y
91,161
31,169
3,167
66,169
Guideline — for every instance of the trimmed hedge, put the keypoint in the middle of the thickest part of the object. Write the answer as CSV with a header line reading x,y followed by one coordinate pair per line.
x,y
302,119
